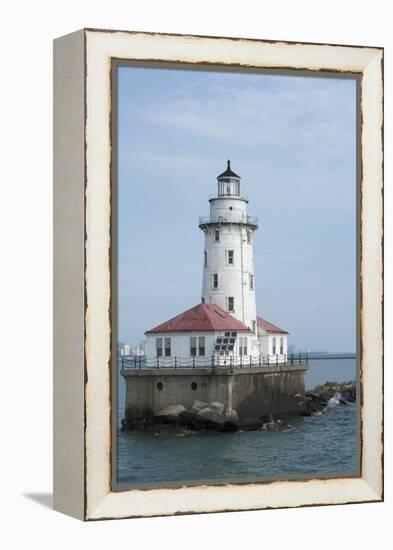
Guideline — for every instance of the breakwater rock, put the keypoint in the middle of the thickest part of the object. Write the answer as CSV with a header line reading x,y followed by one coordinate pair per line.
x,y
213,417
201,417
330,394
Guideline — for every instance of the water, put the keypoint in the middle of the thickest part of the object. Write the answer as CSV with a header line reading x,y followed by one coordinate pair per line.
x,y
322,370
325,444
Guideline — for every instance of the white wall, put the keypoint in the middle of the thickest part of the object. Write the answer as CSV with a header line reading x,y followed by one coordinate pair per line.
x,y
266,343
180,343
278,338
233,279
230,208
180,347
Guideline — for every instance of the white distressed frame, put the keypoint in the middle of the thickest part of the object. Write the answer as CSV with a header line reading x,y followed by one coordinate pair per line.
x,y
96,500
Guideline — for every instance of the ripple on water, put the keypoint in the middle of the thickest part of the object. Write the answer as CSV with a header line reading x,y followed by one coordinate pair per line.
x,y
323,444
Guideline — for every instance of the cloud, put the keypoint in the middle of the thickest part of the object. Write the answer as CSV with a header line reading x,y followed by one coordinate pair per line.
x,y
292,139
300,117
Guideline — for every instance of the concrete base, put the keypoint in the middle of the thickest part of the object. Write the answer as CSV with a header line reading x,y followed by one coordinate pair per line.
x,y
253,392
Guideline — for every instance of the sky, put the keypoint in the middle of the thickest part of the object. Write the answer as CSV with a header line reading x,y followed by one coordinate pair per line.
x,y
292,139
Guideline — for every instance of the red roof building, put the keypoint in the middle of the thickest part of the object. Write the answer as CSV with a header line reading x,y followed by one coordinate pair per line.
x,y
201,318
269,327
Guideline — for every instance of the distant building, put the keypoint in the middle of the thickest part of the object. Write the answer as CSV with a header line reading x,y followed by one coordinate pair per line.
x,y
224,328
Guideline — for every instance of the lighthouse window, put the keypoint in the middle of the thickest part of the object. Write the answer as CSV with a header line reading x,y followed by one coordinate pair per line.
x,y
251,281
201,345
281,346
231,303
243,345
159,347
274,345
217,235
205,258
215,280
193,349
249,237
167,347
230,257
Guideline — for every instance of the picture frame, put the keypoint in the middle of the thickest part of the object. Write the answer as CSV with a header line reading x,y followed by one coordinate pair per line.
x,y
83,252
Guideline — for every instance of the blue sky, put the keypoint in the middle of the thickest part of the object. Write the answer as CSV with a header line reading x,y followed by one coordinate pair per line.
x,y
293,142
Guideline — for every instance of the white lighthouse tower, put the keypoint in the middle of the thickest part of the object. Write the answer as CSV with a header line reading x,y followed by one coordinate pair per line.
x,y
228,262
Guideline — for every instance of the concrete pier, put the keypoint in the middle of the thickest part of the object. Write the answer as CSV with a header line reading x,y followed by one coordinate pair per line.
x,y
252,392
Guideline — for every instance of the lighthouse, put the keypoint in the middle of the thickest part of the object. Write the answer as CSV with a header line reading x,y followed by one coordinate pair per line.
x,y
224,327
228,260
219,351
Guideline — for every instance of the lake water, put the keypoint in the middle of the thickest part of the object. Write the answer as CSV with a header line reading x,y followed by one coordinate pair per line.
x,y
324,444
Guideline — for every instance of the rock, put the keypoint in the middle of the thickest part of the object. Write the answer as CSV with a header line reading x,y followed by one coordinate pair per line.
x,y
276,426
217,407
210,414
125,425
330,394
232,416
232,419
186,418
312,406
136,424
324,392
335,400
171,410
168,414
349,394
211,420
312,395
199,405
248,424
198,424
163,428
230,426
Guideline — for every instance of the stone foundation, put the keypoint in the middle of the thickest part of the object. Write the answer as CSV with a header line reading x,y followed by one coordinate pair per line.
x,y
252,392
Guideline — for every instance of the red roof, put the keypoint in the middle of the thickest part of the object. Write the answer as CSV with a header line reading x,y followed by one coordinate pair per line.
x,y
269,327
201,318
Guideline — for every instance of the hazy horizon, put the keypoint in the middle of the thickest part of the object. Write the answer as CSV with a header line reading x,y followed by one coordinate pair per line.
x,y
293,141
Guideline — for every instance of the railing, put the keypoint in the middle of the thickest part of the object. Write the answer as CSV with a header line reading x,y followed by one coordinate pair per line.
x,y
225,195
249,220
212,361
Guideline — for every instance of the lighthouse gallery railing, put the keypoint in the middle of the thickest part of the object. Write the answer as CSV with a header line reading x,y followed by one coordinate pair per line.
x,y
234,218
134,362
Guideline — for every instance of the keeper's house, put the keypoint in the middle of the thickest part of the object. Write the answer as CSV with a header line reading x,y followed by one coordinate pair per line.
x,y
206,335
